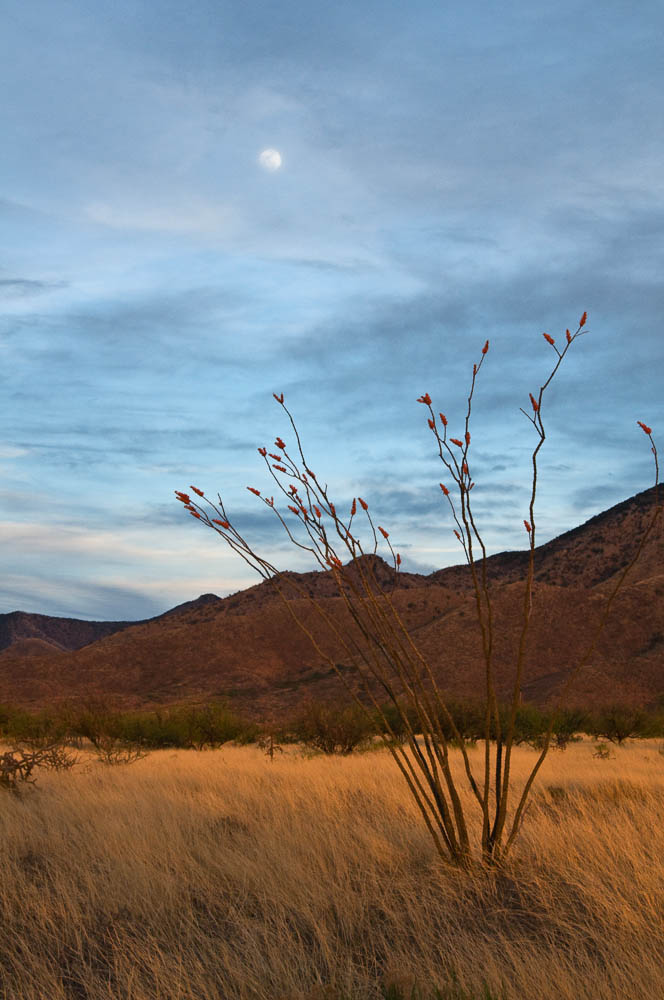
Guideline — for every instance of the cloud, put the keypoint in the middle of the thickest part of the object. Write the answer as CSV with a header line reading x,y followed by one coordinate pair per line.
x,y
23,288
62,597
191,217
159,287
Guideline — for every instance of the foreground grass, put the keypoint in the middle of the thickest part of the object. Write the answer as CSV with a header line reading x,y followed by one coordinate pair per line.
x,y
220,876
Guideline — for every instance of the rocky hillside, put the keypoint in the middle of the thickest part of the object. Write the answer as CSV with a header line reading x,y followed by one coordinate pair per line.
x,y
247,647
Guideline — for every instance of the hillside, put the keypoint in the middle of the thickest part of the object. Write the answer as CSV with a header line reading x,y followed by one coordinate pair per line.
x,y
246,647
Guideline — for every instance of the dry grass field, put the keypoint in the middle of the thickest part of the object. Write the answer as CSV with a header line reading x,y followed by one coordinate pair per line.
x,y
222,876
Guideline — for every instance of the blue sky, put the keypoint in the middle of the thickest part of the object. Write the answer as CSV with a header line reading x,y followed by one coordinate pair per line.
x,y
449,173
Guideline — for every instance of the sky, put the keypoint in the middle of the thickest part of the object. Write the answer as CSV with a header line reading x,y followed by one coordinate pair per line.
x,y
449,173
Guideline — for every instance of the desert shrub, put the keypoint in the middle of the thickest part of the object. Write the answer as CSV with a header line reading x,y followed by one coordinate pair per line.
x,y
16,767
6,712
653,724
270,745
36,729
199,727
531,726
97,721
145,729
58,757
114,751
534,726
334,728
207,726
464,721
569,723
618,723
92,719
390,722
384,655
18,764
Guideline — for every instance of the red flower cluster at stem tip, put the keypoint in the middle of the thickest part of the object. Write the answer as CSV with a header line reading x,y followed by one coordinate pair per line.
x,y
199,492
384,533
333,510
182,497
277,458
262,451
548,338
582,321
280,444
293,488
644,427
363,505
457,534
527,526
279,398
398,559
456,441
464,468
569,336
445,490
426,398
353,508
252,489
317,511
430,423
188,506
467,437
534,402
279,468
294,509
194,513
224,524
485,348
443,419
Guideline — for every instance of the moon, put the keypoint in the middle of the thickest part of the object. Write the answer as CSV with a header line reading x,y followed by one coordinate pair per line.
x,y
270,159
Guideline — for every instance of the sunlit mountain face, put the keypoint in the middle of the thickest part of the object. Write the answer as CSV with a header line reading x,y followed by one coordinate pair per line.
x,y
246,647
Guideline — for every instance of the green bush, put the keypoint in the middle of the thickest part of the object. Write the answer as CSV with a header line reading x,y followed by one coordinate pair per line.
x,y
333,728
618,723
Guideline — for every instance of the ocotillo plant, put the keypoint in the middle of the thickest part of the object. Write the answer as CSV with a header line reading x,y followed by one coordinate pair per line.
x,y
376,641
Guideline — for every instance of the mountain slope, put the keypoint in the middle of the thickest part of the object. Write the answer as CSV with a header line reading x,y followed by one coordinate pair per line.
x,y
247,646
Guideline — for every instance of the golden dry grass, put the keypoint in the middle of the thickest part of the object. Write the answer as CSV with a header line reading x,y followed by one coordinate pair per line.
x,y
220,876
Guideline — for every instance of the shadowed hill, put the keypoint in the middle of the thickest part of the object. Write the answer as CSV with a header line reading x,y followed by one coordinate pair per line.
x,y
73,633
66,633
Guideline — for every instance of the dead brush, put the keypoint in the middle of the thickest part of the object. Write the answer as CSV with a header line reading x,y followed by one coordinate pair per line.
x,y
115,752
269,746
17,764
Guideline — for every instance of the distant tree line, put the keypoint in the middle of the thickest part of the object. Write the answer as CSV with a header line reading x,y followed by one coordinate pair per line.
x,y
331,728
197,727
341,729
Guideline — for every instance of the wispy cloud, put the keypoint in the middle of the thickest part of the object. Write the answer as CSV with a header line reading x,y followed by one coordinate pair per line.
x,y
23,288
158,286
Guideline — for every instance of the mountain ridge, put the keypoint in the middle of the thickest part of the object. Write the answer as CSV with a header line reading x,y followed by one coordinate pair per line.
x,y
245,647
